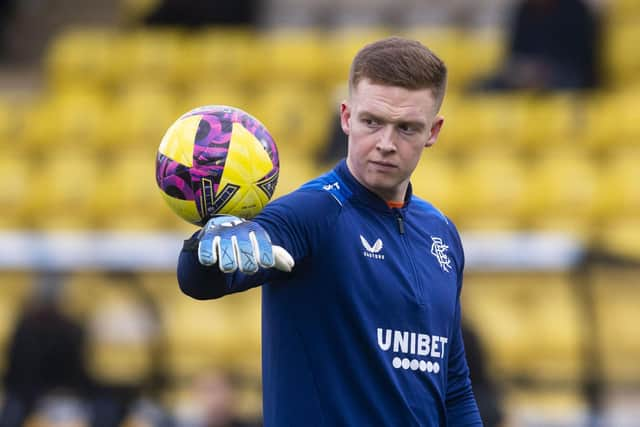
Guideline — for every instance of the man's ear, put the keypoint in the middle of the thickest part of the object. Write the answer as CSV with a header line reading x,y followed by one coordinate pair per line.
x,y
436,126
345,117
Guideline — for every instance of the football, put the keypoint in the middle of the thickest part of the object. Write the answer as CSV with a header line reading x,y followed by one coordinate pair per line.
x,y
217,159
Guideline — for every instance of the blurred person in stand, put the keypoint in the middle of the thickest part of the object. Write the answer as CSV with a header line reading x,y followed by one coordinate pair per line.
x,y
127,318
488,394
45,354
214,396
198,13
553,45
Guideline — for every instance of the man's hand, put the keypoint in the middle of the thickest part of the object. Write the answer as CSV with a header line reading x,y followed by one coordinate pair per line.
x,y
234,243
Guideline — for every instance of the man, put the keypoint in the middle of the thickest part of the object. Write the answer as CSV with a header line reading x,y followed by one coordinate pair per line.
x,y
365,330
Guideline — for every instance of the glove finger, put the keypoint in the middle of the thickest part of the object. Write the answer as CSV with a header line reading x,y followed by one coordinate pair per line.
x,y
262,248
227,254
207,249
247,254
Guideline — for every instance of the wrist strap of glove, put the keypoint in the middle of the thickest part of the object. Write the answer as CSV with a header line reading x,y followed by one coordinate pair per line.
x,y
191,244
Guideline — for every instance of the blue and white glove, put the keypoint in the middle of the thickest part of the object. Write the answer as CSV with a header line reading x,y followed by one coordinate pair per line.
x,y
234,243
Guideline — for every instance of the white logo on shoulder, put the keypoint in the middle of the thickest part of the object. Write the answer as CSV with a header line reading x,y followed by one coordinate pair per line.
x,y
372,251
330,187
439,250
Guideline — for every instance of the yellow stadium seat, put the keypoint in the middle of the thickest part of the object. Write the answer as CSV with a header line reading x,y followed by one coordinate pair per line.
x,y
15,176
468,54
296,116
620,53
219,56
291,55
436,180
618,193
127,196
529,323
616,294
612,120
82,57
343,44
562,190
63,185
476,122
149,56
216,93
209,333
72,119
548,120
140,117
492,190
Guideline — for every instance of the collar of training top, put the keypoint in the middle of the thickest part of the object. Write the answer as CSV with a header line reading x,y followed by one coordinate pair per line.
x,y
363,195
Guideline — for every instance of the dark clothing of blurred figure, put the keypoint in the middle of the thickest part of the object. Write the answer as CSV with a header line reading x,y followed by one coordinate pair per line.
x,y
485,388
45,354
198,13
554,45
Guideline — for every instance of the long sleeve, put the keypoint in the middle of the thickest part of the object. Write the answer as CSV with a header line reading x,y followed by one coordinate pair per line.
x,y
289,224
462,409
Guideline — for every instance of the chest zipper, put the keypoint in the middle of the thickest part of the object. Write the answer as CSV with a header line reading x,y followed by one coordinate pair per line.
x,y
419,291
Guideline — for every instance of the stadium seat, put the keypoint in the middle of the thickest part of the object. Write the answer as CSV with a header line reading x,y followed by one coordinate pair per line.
x,y
436,180
469,54
82,57
150,57
219,55
621,60
291,55
561,191
215,93
70,119
619,189
477,122
139,117
528,322
548,120
492,187
68,179
616,293
15,174
127,196
344,43
296,116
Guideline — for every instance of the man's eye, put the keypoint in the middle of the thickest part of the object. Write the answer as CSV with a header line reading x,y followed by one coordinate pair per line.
x,y
408,129
370,122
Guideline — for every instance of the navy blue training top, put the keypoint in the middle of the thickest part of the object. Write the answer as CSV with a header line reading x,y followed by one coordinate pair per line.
x,y
366,329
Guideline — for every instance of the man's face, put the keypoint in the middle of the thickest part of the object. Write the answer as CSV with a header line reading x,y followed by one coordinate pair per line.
x,y
388,127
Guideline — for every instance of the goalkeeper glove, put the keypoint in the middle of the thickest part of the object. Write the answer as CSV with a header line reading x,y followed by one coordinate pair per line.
x,y
234,243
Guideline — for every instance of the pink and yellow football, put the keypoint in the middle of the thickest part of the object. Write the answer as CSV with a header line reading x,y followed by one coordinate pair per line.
x,y
217,160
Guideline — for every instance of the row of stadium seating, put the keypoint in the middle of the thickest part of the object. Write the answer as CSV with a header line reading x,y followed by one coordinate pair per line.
x,y
498,188
110,58
532,324
299,117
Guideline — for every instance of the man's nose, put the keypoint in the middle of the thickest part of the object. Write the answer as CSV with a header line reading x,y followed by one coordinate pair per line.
x,y
387,140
